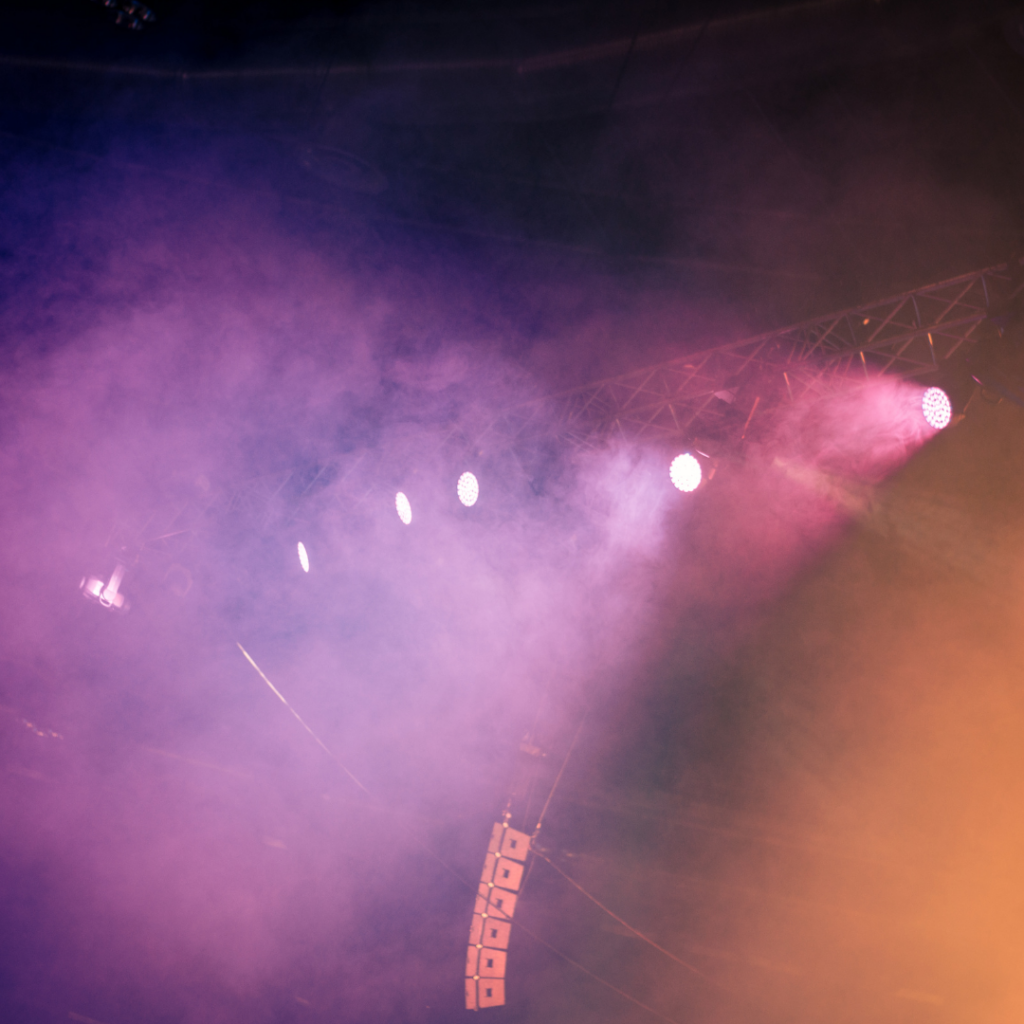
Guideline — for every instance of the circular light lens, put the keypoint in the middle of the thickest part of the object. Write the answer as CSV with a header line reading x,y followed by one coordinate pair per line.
x,y
937,408
468,488
685,472
303,557
403,508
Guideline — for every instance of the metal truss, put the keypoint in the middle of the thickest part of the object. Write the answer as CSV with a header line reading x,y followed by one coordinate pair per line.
x,y
716,393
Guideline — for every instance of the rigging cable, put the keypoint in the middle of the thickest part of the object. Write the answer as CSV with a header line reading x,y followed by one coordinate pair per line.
x,y
558,777
280,696
462,881
625,924
576,885
596,977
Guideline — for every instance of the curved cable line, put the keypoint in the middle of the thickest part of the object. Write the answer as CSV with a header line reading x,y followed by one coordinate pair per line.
x,y
625,61
298,717
596,977
558,777
415,838
554,786
625,924
684,63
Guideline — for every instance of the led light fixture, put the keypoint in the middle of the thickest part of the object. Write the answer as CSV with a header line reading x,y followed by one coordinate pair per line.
x,y
937,408
468,488
685,472
106,594
403,508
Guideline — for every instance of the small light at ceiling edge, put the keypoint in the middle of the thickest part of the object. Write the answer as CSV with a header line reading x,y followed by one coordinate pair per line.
x,y
403,508
937,408
303,557
685,472
468,489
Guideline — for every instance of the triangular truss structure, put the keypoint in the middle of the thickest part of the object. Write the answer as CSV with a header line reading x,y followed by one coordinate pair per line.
x,y
912,335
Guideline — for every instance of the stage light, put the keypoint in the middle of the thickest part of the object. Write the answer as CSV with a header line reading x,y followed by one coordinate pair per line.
x,y
468,488
129,13
303,557
937,408
685,472
403,508
106,594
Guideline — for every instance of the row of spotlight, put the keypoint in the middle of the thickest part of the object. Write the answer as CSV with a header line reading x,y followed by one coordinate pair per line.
x,y
684,472
467,488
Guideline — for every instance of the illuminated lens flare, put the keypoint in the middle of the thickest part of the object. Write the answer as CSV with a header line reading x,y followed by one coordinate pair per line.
x,y
685,472
468,488
303,557
937,408
403,508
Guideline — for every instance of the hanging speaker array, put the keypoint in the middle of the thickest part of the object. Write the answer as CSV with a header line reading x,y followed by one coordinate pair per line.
x,y
491,925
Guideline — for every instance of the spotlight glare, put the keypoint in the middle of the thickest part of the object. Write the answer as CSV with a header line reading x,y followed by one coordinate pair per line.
x,y
403,508
108,595
468,488
303,557
937,408
685,472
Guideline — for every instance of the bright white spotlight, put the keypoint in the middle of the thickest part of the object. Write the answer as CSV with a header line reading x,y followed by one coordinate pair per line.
x,y
468,488
937,408
106,594
303,557
685,472
403,508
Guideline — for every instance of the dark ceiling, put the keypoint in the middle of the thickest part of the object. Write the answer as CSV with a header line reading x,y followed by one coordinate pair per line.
x,y
760,163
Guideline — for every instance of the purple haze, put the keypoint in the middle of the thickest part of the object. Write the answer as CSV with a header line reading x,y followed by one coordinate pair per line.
x,y
185,848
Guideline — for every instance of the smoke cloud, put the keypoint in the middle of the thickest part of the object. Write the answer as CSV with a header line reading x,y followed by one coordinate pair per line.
x,y
195,381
